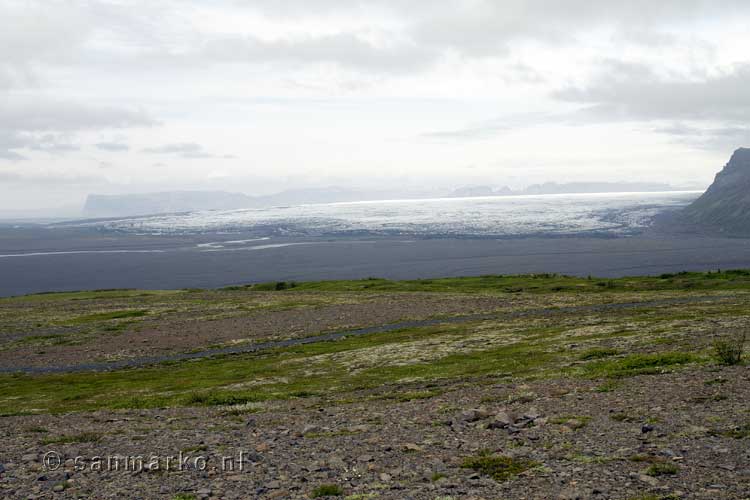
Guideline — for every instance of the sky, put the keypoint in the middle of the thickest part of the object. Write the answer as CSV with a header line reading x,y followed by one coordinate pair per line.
x,y
259,96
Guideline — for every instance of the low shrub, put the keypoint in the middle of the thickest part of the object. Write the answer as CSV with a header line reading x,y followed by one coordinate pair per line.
x,y
327,490
729,352
500,468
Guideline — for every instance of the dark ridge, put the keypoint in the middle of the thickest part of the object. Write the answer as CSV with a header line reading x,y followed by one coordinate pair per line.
x,y
725,207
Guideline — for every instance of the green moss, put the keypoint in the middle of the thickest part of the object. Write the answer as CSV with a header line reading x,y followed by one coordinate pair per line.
x,y
108,316
533,283
575,422
500,468
184,496
637,364
327,490
662,469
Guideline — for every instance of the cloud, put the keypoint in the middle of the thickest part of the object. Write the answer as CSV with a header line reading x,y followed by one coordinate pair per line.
x,y
349,50
48,125
491,128
112,146
44,114
708,138
9,142
189,150
710,110
49,143
636,92
7,154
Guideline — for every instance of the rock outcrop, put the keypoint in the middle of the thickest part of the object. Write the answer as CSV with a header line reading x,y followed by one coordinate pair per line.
x,y
725,206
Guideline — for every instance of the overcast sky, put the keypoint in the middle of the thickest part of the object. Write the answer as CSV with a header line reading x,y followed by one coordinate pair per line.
x,y
262,95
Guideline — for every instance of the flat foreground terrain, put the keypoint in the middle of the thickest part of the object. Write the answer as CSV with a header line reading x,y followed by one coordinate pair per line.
x,y
495,387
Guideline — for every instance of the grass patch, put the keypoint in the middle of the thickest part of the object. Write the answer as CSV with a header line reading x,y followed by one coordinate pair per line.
x,y
205,382
107,316
662,469
327,490
498,467
638,364
574,422
529,283
184,496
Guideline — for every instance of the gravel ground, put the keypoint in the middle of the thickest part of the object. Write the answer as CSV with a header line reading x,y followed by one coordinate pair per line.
x,y
181,334
690,425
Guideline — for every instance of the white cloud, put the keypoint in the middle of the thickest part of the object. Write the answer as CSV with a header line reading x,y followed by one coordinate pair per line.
x,y
368,91
190,150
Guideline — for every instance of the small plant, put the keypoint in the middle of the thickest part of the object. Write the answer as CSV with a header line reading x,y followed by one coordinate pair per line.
x,y
40,430
574,422
738,432
638,364
437,477
729,352
662,469
184,496
499,468
327,490
608,386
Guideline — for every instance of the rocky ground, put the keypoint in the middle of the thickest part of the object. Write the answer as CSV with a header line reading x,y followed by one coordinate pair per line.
x,y
258,317
557,394
676,435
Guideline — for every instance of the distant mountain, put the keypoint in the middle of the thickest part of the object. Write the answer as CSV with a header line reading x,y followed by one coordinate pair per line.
x,y
470,191
725,206
125,205
100,205
596,187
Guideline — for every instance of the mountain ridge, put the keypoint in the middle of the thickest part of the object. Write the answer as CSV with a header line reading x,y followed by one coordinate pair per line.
x,y
725,206
137,204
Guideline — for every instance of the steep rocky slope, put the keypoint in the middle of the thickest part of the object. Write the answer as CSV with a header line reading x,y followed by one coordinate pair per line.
x,y
725,206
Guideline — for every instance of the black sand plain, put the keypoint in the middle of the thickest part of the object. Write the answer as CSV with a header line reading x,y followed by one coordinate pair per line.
x,y
103,259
